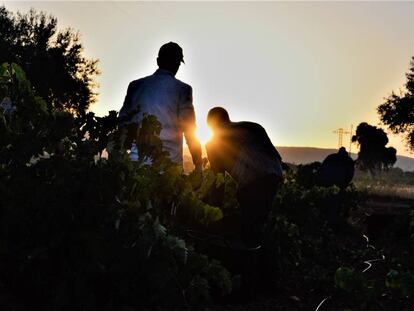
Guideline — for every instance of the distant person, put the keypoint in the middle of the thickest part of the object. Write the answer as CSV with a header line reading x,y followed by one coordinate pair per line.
x,y
168,99
244,150
337,169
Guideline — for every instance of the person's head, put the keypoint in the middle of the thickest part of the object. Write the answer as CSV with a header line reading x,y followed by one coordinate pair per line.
x,y
342,151
170,57
217,117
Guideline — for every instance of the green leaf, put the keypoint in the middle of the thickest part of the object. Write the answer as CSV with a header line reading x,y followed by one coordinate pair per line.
x,y
393,279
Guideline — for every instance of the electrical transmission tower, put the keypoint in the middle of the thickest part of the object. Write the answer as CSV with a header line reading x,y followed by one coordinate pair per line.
x,y
341,132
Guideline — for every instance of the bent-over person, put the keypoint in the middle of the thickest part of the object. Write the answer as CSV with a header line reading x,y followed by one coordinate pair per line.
x,y
244,150
337,169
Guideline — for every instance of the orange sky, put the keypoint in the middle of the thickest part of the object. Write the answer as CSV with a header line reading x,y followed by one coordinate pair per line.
x,y
301,69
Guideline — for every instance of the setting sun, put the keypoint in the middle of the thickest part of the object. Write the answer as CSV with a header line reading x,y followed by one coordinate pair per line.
x,y
203,134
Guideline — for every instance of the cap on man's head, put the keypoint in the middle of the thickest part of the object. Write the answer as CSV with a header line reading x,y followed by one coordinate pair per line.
x,y
171,51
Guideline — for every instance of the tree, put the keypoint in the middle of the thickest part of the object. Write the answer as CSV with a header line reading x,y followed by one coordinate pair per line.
x,y
398,110
373,154
52,59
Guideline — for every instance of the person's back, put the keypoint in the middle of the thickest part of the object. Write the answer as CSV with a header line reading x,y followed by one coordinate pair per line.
x,y
163,96
168,99
244,150
337,169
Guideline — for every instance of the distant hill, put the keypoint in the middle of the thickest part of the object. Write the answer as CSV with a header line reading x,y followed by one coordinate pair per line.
x,y
303,155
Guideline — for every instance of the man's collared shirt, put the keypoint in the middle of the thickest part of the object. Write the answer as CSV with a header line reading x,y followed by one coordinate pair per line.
x,y
171,101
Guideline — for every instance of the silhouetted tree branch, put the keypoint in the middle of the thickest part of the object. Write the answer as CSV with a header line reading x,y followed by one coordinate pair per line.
x,y
52,59
398,110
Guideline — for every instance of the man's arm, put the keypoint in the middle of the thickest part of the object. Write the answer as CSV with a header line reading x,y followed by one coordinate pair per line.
x,y
124,113
127,113
130,109
187,120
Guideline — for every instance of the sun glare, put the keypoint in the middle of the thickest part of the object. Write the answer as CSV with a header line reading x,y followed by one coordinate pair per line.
x,y
204,134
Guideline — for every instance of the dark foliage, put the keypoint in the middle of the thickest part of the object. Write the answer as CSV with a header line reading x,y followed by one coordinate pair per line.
x,y
398,110
307,174
52,59
373,154
79,231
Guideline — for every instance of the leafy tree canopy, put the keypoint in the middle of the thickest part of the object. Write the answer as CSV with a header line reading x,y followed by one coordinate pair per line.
x,y
52,59
373,154
398,110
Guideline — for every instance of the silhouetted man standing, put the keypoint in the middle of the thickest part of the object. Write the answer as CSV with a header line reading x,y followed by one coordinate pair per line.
x,y
170,100
244,150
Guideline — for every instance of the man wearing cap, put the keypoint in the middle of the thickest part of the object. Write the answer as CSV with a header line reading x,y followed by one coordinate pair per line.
x,y
168,99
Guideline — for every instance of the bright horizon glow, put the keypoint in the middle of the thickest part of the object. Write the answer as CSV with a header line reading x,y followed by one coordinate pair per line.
x,y
300,69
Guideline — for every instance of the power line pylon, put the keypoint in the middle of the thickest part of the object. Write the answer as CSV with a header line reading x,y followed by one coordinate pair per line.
x,y
341,132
